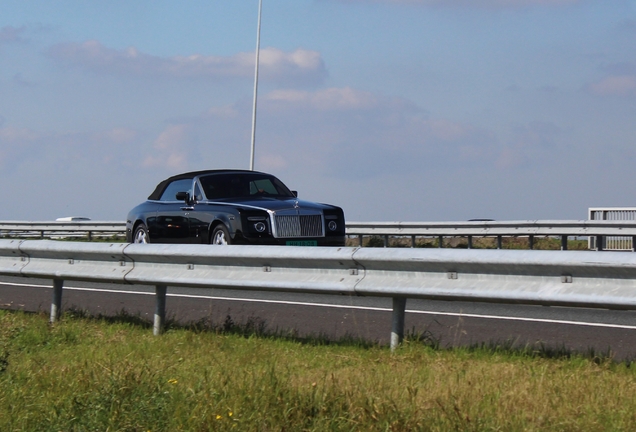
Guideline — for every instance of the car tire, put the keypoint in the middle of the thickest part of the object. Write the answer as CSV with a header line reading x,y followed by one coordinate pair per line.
x,y
220,236
141,235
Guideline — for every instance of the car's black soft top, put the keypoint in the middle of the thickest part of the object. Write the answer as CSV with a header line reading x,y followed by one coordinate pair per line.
x,y
156,194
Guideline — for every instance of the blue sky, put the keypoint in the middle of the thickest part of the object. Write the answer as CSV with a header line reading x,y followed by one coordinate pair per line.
x,y
396,110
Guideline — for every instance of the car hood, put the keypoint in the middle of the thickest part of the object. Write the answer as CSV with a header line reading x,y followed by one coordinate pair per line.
x,y
275,204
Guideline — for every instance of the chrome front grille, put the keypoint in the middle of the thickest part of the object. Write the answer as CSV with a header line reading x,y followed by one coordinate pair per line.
x,y
299,226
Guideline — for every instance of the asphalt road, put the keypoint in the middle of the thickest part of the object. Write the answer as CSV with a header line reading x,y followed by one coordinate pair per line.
x,y
452,323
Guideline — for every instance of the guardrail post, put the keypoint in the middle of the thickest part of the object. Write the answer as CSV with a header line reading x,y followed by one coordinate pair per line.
x,y
160,310
633,243
397,323
499,242
564,242
531,242
413,242
56,305
440,241
599,243
470,242
360,240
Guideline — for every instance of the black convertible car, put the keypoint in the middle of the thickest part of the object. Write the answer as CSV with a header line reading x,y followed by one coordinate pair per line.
x,y
233,207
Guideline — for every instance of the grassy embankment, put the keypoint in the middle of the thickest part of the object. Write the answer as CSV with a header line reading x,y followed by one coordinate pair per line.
x,y
87,374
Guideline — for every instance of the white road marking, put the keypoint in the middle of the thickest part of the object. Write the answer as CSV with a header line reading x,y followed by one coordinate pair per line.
x,y
369,308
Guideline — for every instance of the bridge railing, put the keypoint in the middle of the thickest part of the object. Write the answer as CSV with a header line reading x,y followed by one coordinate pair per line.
x,y
49,229
598,230
613,214
531,230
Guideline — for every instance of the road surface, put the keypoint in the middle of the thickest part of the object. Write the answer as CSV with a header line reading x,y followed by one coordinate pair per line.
x,y
452,323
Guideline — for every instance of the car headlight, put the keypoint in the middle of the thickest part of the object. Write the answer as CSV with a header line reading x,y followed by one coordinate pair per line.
x,y
332,225
259,223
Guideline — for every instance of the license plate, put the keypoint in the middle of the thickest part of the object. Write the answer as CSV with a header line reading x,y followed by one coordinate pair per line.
x,y
302,243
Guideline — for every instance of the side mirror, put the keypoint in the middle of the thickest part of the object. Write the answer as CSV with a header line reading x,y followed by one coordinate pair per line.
x,y
183,196
295,193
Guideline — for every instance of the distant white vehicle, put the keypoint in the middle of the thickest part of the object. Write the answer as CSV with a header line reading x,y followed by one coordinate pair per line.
x,y
72,219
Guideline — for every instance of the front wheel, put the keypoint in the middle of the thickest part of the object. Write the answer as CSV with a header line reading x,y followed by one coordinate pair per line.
x,y
220,236
141,234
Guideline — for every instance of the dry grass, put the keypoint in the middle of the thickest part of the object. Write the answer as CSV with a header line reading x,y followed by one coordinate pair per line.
x,y
540,243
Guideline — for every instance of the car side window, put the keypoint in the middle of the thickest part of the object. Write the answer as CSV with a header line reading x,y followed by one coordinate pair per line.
x,y
183,185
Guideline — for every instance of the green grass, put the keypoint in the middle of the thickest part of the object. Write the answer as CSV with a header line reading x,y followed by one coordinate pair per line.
x,y
111,374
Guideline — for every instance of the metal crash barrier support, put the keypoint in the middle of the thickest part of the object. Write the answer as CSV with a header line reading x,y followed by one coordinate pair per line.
x,y
550,278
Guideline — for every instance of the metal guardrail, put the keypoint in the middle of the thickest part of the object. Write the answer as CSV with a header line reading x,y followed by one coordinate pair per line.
x,y
47,229
563,229
578,278
613,214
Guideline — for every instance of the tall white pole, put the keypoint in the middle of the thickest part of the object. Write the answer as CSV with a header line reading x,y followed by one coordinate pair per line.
x,y
258,49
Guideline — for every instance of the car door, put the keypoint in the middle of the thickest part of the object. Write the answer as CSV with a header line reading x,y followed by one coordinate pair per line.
x,y
171,224
199,217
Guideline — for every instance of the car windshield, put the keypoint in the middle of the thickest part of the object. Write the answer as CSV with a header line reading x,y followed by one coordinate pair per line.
x,y
219,186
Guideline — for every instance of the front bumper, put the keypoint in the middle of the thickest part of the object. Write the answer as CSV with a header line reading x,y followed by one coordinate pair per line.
x,y
320,241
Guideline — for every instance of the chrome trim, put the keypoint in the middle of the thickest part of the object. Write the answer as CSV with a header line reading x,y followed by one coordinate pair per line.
x,y
297,223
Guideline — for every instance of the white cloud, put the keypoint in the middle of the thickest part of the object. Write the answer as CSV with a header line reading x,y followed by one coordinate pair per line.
x,y
447,130
338,99
272,163
380,157
12,135
616,85
297,66
277,63
227,111
170,149
18,146
328,99
341,133
95,174
121,135
349,133
11,34
15,144
531,145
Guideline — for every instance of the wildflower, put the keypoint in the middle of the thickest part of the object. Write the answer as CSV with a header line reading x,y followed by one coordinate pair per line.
x,y
172,381
219,417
